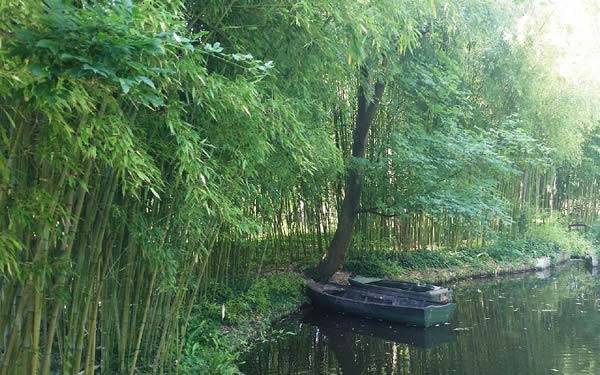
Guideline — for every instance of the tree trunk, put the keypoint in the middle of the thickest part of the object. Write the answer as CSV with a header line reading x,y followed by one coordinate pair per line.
x,y
343,234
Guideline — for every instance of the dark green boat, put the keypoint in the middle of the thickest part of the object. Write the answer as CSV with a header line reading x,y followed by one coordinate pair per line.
x,y
390,307
425,292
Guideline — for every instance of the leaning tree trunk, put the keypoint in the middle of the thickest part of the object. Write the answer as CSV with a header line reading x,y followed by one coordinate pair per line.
x,y
343,234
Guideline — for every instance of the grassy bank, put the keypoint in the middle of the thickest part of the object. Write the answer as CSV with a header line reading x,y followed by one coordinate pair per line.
x,y
503,256
221,329
443,266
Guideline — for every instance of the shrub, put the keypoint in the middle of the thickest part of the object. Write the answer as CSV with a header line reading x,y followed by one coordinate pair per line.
x,y
213,344
543,240
570,241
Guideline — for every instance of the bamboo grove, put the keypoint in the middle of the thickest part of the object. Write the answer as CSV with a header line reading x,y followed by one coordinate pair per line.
x,y
151,151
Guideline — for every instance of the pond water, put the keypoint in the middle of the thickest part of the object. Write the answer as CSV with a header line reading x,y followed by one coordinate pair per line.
x,y
536,323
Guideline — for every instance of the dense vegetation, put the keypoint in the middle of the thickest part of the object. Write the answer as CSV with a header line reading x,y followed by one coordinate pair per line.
x,y
156,157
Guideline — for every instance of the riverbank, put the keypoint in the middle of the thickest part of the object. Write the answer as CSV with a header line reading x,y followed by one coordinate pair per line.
x,y
221,329
544,248
493,318
435,267
225,327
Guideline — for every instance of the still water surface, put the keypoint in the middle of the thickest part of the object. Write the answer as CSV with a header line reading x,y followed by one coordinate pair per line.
x,y
538,323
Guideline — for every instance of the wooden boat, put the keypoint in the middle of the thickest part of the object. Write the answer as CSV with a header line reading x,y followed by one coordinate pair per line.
x,y
390,307
419,337
425,292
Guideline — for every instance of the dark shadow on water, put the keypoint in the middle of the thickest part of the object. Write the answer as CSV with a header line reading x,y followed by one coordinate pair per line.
x,y
333,324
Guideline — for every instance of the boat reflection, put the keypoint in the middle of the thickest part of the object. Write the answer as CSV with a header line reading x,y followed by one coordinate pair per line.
x,y
337,325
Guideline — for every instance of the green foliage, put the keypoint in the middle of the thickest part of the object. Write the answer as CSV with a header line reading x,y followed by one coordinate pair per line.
x,y
213,345
595,233
9,248
156,155
266,296
545,240
211,355
555,232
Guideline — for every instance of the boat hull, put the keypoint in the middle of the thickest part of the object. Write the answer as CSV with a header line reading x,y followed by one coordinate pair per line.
x,y
426,316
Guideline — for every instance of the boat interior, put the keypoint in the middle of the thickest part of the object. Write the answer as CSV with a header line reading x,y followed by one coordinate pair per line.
x,y
405,286
394,300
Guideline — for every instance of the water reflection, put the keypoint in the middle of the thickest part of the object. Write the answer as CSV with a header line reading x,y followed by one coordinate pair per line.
x,y
526,324
332,324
